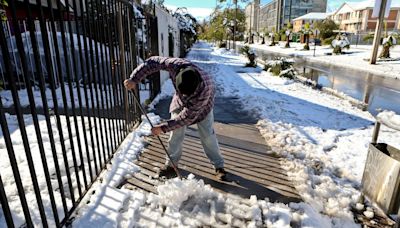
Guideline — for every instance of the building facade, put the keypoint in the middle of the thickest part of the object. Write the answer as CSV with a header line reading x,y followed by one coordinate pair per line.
x,y
168,37
291,9
275,15
268,20
311,18
357,17
252,17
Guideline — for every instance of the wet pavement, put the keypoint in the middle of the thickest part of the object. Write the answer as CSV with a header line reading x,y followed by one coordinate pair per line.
x,y
381,93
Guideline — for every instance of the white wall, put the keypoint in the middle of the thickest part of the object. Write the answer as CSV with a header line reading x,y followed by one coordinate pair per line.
x,y
166,23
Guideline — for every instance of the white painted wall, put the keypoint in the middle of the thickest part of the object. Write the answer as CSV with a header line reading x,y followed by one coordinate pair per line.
x,y
166,23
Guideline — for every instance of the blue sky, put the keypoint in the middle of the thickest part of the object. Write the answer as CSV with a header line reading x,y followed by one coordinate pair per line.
x,y
202,8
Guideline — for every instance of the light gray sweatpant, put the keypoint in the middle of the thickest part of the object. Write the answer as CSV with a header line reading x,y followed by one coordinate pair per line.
x,y
207,137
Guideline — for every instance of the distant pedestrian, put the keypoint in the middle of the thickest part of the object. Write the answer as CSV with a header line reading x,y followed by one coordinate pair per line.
x,y
192,103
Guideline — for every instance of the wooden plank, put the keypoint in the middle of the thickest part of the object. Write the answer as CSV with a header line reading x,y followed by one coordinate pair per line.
x,y
243,154
279,185
141,184
233,160
237,164
253,171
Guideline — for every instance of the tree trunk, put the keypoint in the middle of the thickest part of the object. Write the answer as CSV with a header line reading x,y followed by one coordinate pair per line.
x,y
337,50
287,42
272,41
307,47
385,53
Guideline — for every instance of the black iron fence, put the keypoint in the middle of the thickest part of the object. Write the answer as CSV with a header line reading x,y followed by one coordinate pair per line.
x,y
63,109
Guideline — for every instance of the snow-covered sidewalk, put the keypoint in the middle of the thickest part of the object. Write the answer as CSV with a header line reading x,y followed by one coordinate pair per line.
x,y
355,60
322,140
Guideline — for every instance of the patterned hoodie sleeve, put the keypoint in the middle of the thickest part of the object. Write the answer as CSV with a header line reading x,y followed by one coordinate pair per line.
x,y
155,64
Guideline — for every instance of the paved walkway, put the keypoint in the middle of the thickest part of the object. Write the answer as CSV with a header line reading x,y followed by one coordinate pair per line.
x,y
247,157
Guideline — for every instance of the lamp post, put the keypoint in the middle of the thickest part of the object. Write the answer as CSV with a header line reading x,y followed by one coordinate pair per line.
x,y
235,26
378,31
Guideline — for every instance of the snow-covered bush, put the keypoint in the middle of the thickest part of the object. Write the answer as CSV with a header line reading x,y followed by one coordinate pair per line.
x,y
187,22
263,34
282,67
387,43
339,43
250,54
273,35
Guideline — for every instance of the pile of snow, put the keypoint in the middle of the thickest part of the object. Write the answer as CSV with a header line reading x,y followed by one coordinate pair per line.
x,y
280,61
390,119
190,203
103,208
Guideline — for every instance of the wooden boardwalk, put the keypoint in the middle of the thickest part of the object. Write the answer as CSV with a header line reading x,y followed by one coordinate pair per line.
x,y
253,169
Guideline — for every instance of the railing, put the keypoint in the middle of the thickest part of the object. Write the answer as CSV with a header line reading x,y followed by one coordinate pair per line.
x,y
63,108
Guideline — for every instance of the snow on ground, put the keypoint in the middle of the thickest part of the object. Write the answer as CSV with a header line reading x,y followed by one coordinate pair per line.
x,y
8,177
8,101
24,100
390,119
106,204
355,60
323,140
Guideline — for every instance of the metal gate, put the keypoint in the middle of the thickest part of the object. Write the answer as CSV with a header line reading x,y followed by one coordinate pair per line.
x,y
63,109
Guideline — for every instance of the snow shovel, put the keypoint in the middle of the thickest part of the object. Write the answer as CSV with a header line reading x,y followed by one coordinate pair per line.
x,y
159,139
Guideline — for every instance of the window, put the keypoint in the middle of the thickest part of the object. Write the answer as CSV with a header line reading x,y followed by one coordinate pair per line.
x,y
162,44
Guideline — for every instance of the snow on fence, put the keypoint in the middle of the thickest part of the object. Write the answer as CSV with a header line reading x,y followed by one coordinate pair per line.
x,y
63,108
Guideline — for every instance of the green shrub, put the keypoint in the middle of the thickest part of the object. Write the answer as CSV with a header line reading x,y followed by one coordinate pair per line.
x,y
249,53
147,102
281,67
328,41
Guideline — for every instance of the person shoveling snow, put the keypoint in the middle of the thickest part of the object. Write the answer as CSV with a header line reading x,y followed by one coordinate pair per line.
x,y
192,103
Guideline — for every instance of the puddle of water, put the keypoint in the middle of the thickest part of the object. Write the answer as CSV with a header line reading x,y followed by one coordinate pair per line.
x,y
377,91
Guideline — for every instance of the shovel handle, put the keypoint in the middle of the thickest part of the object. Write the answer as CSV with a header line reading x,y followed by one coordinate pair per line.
x,y
159,139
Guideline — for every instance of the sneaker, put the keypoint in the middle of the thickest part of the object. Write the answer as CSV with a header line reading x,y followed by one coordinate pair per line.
x,y
167,171
220,173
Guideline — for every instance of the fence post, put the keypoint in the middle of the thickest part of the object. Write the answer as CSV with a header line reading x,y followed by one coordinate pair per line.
x,y
122,64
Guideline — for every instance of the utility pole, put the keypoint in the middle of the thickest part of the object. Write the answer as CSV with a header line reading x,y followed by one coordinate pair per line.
x,y
234,26
378,31
251,15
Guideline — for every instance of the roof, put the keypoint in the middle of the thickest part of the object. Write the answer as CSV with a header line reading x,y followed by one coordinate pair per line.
x,y
367,4
312,16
